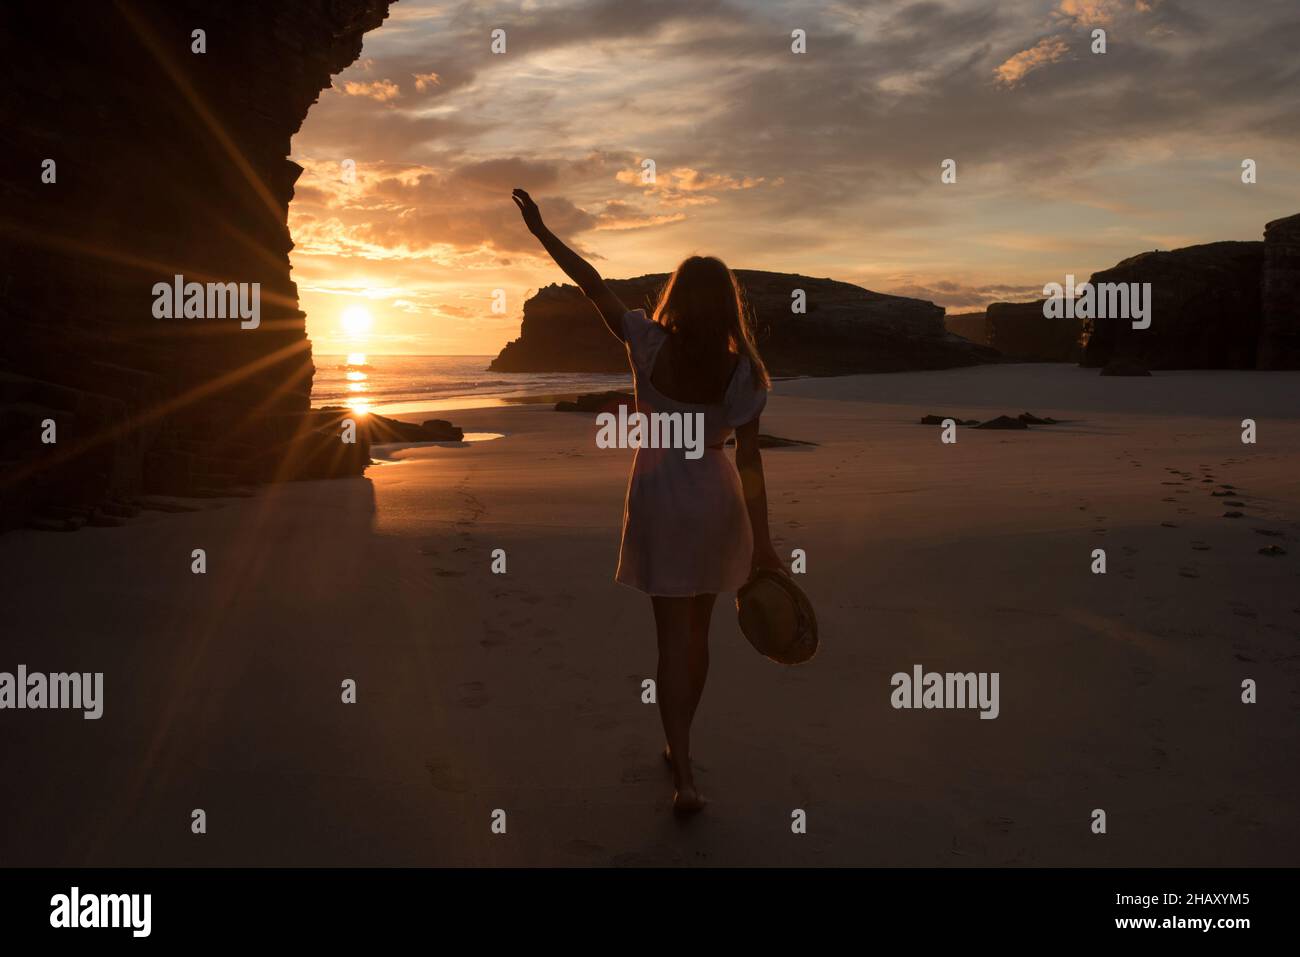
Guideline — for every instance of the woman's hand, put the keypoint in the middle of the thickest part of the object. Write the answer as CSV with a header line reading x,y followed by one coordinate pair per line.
x,y
528,209
765,556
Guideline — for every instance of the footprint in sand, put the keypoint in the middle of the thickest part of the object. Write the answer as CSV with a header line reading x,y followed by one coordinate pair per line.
x,y
1200,547
445,779
1270,532
493,637
1189,573
1272,550
1219,494
1233,514
1130,550
1168,525
1169,498
586,848
473,695
448,573
1242,610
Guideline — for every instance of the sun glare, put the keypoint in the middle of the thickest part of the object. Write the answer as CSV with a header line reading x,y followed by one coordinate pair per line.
x,y
357,321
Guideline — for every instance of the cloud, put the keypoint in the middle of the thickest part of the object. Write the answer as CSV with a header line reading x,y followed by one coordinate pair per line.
x,y
1048,50
957,295
402,211
684,186
620,216
826,162
1098,13
379,90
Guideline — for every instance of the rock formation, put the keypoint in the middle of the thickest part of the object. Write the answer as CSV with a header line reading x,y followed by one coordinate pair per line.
x,y
1205,309
846,329
166,161
1225,305
1279,344
969,325
1019,330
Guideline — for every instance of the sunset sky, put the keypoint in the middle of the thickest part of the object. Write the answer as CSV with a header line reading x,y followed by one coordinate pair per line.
x,y
825,163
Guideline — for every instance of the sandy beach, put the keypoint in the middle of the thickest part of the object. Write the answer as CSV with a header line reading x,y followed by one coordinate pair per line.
x,y
522,691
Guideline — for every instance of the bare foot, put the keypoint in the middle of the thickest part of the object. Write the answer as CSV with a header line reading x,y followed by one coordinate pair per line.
x,y
687,800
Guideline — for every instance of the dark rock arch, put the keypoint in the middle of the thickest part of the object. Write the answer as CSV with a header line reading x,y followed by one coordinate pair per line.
x,y
168,162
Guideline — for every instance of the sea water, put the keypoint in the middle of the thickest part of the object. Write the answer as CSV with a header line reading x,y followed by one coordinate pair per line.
x,y
395,384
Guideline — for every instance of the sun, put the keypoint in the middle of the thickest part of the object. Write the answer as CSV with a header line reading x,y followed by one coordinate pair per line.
x,y
356,321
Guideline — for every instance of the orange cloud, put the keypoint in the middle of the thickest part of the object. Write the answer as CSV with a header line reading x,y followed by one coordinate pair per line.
x,y
1018,66
1099,13
379,90
622,216
684,186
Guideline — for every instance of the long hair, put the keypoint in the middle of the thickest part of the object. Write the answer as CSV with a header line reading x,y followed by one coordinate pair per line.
x,y
703,307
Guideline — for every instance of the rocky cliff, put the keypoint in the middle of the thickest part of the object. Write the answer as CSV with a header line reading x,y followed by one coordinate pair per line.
x,y
1225,305
846,329
1020,331
165,161
1279,346
969,325
1205,309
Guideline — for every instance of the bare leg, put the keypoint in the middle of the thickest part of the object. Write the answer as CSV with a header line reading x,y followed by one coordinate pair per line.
x,y
701,615
697,654
683,631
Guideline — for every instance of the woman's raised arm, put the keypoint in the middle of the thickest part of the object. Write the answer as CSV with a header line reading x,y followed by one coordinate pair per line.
x,y
574,266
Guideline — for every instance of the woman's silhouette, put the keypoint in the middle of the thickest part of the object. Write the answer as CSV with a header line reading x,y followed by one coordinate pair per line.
x,y
691,527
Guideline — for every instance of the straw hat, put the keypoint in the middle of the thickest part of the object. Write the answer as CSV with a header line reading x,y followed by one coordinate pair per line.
x,y
777,617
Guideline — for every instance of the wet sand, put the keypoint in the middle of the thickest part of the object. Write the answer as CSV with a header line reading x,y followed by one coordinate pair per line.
x,y
521,691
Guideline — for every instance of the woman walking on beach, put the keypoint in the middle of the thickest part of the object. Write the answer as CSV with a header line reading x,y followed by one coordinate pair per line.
x,y
691,527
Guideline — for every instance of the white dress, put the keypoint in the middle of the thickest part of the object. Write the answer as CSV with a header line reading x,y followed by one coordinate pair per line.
x,y
685,527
